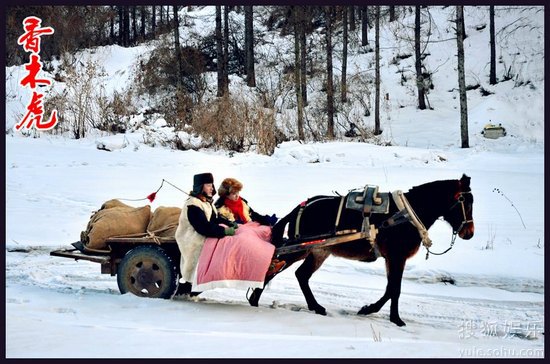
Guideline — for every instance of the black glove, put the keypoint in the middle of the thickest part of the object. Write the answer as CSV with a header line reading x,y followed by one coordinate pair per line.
x,y
272,219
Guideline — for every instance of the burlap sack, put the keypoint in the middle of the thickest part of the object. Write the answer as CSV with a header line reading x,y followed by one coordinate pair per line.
x,y
115,221
164,221
114,203
106,205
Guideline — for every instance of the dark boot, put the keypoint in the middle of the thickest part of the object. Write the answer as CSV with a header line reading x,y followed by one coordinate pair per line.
x,y
183,289
275,267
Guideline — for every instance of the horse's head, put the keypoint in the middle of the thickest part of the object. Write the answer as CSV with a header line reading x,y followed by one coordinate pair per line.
x,y
459,214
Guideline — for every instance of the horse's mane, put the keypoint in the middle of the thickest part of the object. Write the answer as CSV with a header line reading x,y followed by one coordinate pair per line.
x,y
450,185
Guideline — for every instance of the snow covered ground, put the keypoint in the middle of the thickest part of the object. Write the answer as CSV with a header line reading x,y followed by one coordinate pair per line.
x,y
60,308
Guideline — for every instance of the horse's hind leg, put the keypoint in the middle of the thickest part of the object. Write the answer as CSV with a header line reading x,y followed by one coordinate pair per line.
x,y
394,271
312,262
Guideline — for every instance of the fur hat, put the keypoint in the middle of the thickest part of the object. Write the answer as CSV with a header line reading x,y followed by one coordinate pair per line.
x,y
230,185
200,179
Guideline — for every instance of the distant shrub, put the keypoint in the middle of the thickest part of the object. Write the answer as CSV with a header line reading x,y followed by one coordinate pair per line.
x,y
235,125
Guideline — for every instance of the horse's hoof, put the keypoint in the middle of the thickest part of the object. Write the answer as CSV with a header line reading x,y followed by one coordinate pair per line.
x,y
365,310
319,310
253,300
398,321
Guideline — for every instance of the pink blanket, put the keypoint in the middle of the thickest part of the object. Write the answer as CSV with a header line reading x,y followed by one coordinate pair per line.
x,y
239,261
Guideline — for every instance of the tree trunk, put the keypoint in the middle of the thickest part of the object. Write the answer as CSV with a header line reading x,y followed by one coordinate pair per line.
x,y
296,10
364,26
377,130
493,71
219,50
126,26
343,96
464,35
226,50
120,25
418,61
392,13
179,59
461,78
330,90
249,46
352,18
134,24
112,30
153,21
143,20
302,11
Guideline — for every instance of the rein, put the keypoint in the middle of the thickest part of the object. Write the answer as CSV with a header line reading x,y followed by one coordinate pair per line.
x,y
404,205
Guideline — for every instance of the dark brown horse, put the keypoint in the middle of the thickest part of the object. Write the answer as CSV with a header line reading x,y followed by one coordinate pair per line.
x,y
396,242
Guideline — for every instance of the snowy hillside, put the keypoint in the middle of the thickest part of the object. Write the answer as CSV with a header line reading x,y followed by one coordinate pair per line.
x,y
485,298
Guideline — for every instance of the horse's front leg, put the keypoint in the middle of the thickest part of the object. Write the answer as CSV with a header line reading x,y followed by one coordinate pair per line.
x,y
394,272
254,298
312,262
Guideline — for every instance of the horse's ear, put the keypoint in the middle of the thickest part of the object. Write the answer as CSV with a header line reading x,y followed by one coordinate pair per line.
x,y
465,181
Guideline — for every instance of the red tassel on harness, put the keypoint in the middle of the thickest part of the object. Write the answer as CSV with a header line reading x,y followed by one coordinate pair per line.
x,y
152,196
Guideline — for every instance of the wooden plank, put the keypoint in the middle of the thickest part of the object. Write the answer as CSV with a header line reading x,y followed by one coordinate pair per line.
x,y
320,243
76,254
143,240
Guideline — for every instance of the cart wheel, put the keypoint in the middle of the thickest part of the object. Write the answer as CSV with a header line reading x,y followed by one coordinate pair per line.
x,y
147,271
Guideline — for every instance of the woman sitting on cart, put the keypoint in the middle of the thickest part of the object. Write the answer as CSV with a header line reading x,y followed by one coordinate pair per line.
x,y
233,207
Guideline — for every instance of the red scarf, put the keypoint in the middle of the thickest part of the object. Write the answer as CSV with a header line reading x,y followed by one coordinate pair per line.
x,y
236,208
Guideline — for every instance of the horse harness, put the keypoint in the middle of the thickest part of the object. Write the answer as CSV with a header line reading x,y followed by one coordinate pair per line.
x,y
371,201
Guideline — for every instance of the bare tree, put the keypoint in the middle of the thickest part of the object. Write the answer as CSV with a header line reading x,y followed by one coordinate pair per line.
x,y
330,88
112,23
343,95
392,13
219,51
364,26
352,18
177,45
153,22
303,16
134,24
249,46
226,50
126,26
418,61
143,11
493,71
377,130
461,77
296,10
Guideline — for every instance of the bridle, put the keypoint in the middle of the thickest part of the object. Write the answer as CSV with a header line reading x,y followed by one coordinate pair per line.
x,y
459,200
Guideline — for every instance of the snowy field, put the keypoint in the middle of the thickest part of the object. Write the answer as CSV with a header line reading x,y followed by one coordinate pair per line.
x,y
485,298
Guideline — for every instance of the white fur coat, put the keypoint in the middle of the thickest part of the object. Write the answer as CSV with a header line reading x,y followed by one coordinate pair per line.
x,y
190,242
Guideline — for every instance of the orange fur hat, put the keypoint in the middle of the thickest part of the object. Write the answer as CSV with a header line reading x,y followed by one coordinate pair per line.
x,y
228,186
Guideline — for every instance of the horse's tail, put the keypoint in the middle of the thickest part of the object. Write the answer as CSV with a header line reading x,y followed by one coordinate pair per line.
x,y
279,228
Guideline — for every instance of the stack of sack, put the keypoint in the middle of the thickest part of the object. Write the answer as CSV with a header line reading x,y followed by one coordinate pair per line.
x,y
116,219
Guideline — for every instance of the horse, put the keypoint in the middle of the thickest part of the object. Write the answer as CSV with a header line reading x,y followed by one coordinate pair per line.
x,y
395,242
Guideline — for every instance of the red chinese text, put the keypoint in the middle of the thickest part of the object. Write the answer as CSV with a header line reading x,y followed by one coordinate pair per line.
x,y
30,41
